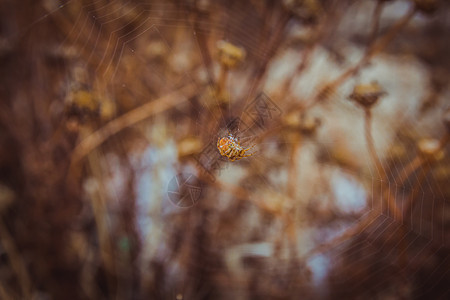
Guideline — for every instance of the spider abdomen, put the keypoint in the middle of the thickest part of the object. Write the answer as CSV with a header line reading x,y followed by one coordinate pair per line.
x,y
229,147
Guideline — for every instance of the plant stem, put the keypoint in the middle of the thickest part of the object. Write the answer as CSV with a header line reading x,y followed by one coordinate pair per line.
x,y
370,144
130,118
17,262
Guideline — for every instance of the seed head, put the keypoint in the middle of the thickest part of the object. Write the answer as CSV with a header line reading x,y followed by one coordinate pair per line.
x,y
230,55
430,149
367,95
307,11
307,124
189,146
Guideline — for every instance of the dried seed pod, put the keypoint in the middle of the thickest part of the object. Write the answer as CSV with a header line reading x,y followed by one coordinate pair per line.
x,y
82,104
307,124
189,146
307,11
292,120
430,149
156,50
367,95
230,55
426,6
107,109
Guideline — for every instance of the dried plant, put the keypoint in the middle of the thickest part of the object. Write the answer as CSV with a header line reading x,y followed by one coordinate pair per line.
x,y
112,185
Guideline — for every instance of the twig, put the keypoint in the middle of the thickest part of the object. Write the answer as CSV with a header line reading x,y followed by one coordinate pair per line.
x,y
272,46
17,263
222,82
370,144
415,164
418,161
236,191
376,21
386,197
130,118
377,46
291,186
384,40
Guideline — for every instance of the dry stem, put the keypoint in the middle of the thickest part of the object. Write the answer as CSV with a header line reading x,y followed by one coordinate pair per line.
x,y
17,263
130,118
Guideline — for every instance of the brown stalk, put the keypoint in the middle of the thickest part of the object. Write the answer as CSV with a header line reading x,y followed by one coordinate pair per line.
x,y
415,164
385,39
131,118
292,179
222,80
286,87
376,21
202,40
317,36
370,144
377,46
386,197
101,217
236,191
272,46
17,262
416,188
290,228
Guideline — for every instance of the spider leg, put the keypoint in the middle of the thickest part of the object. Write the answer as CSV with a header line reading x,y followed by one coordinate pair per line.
x,y
248,155
250,147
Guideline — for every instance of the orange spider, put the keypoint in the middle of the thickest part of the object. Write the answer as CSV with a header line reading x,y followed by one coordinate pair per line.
x,y
229,146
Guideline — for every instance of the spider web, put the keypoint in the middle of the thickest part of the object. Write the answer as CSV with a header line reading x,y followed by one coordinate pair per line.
x,y
128,46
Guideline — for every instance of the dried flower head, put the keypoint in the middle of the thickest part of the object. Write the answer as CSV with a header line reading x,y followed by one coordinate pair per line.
x,y
214,98
309,124
230,55
306,124
430,149
156,50
82,104
189,146
292,119
306,10
367,95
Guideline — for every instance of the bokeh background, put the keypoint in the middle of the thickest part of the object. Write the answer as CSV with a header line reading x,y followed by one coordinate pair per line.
x,y
112,186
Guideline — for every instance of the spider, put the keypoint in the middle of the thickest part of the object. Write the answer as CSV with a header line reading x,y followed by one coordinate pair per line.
x,y
229,146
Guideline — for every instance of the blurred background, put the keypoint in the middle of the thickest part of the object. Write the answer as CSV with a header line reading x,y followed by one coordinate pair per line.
x,y
112,185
